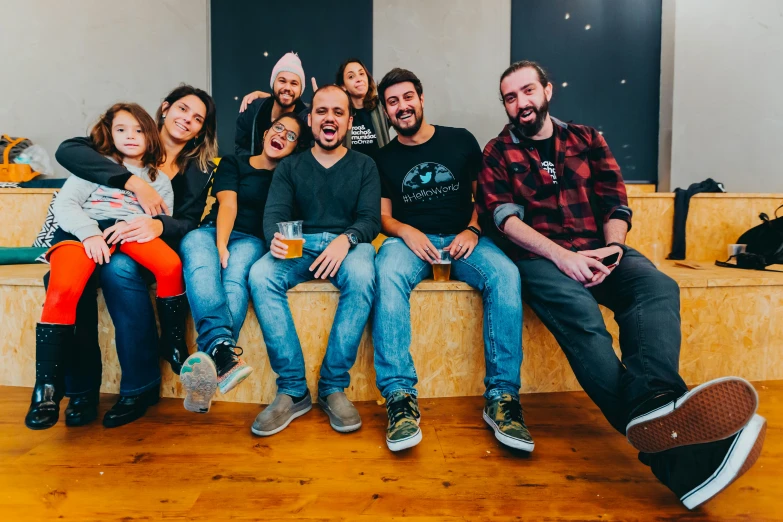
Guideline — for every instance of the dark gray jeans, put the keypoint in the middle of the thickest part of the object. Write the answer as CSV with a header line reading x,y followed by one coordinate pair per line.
x,y
646,306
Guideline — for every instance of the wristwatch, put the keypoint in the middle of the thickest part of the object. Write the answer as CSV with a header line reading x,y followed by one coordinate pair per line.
x,y
351,238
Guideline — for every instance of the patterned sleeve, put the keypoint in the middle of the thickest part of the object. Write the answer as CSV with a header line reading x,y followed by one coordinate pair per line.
x,y
608,184
495,196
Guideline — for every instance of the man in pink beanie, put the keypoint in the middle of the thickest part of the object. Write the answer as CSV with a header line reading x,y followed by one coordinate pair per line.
x,y
287,84
291,63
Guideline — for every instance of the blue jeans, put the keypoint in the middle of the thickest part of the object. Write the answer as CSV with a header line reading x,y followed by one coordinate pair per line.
x,y
127,298
218,296
270,279
646,306
398,271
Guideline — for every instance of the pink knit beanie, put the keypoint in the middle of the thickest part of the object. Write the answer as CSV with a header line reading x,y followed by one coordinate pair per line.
x,y
290,62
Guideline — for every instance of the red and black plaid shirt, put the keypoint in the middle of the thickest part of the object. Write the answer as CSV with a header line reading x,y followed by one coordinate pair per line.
x,y
591,188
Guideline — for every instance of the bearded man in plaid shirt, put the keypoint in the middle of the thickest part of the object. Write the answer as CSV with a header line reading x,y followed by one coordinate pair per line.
x,y
555,192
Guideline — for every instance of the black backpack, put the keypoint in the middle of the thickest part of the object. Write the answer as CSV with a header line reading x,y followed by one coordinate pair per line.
x,y
766,239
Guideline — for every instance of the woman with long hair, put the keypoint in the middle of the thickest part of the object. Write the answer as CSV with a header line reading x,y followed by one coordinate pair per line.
x,y
186,123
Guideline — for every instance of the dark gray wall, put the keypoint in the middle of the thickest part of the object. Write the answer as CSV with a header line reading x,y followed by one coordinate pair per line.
x,y
322,33
623,42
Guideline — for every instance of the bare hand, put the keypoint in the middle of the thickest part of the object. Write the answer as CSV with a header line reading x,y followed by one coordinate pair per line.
x,y
279,249
224,255
580,268
332,257
463,244
142,230
250,98
315,85
599,254
112,234
148,197
420,245
97,249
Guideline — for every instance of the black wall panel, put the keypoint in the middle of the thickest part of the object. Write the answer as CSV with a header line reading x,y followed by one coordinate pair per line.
x,y
322,33
608,54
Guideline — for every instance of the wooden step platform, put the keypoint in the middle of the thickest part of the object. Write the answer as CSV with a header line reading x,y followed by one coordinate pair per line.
x,y
732,325
176,465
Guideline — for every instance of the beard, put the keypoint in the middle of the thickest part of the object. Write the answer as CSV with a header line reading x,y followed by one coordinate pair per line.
x,y
329,146
413,129
534,127
276,97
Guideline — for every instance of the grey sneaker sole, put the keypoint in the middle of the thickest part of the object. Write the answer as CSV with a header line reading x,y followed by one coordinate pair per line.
x,y
199,378
511,442
295,412
408,442
334,419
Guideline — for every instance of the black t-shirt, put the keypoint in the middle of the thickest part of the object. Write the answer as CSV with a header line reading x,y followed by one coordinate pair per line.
x,y
431,185
364,139
235,173
546,151
177,186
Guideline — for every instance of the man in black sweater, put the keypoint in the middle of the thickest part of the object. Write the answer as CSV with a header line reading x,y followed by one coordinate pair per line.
x,y
336,192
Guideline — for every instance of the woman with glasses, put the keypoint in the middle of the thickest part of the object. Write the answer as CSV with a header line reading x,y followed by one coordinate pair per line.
x,y
216,260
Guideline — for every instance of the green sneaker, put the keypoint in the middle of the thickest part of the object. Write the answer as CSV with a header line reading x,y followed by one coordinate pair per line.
x,y
403,431
504,415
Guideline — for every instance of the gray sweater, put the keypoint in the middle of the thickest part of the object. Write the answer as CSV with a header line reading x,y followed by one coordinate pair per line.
x,y
344,198
80,204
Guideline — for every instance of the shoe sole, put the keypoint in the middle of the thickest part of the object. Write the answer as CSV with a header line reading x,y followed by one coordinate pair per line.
x,y
712,411
334,417
199,378
741,456
293,416
408,442
234,379
504,439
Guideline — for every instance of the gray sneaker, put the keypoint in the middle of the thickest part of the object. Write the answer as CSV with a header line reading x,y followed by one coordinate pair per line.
x,y
278,415
199,378
343,416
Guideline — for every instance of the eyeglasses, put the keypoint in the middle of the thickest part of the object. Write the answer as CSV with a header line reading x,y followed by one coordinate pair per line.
x,y
290,135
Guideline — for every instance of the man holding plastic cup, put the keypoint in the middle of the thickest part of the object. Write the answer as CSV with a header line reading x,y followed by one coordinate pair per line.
x,y
336,193
428,176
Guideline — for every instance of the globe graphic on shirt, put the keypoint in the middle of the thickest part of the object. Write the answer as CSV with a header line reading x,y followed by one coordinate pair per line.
x,y
427,175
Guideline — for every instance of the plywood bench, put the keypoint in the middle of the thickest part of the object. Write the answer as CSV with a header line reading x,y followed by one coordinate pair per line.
x,y
732,323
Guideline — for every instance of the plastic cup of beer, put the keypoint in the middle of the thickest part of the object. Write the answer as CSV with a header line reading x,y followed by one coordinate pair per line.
x,y
441,270
292,234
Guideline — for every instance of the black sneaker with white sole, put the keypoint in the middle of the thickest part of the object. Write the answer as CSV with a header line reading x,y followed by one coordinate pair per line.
x,y
698,473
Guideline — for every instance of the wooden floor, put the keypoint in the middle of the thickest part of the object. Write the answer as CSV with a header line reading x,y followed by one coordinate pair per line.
x,y
174,465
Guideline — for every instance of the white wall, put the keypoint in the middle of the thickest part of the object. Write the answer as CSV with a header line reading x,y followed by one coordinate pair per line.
x,y
727,116
457,48
65,62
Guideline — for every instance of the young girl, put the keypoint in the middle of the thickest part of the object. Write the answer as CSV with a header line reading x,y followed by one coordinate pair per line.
x,y
128,135
217,258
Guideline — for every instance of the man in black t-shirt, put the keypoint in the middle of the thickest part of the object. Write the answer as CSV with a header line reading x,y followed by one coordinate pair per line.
x,y
428,179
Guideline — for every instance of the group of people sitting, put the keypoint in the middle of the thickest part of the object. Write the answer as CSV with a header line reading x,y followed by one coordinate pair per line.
x,y
540,215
